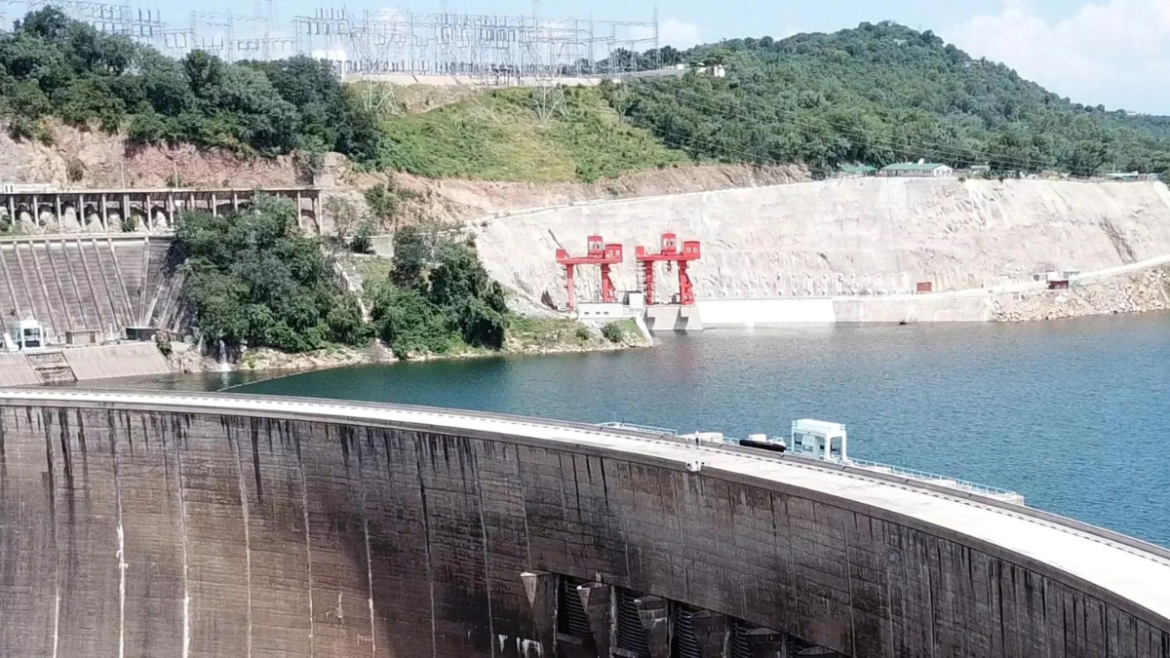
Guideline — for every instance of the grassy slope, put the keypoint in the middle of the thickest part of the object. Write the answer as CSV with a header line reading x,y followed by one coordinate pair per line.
x,y
499,136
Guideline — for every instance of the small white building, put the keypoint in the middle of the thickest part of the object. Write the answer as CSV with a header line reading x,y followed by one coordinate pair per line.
x,y
26,335
633,305
819,439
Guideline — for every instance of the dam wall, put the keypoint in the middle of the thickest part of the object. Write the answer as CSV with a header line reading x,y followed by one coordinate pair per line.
x,y
218,526
844,237
99,283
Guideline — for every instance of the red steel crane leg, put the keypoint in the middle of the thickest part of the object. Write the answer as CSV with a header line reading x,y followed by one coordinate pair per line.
x,y
648,271
686,292
608,292
570,287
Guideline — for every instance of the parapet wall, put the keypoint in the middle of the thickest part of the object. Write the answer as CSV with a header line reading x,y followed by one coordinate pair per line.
x,y
846,236
146,530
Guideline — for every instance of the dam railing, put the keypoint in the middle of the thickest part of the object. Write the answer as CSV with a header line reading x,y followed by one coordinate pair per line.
x,y
934,478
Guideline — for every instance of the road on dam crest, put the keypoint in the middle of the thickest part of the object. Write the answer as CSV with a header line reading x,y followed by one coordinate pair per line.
x,y
138,524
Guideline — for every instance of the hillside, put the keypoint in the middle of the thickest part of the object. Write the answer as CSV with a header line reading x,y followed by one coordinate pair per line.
x,y
878,94
875,94
569,134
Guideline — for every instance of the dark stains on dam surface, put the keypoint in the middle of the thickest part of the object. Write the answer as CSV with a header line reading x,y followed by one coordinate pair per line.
x,y
150,533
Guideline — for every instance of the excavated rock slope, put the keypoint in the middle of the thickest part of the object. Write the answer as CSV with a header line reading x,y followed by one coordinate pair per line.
x,y
847,236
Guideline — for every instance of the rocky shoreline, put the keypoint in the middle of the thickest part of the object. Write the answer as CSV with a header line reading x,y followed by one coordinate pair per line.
x,y
186,359
1136,293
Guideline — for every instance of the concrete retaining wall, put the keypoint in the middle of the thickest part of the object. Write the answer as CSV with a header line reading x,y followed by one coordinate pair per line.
x,y
109,361
142,532
829,310
82,364
755,312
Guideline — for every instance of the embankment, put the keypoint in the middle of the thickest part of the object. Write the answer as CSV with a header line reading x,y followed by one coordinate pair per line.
x,y
850,237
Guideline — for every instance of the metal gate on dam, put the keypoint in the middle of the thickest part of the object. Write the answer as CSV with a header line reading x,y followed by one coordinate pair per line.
x,y
149,525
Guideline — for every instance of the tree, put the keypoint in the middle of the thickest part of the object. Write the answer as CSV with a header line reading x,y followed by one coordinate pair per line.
x,y
412,256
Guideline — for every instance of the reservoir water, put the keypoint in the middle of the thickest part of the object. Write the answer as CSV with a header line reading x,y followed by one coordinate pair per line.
x,y
1075,415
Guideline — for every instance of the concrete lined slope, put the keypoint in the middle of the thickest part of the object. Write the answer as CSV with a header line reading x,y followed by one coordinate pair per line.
x,y
16,371
848,236
338,529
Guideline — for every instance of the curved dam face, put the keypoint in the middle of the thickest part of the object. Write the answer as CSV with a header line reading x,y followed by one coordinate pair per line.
x,y
158,525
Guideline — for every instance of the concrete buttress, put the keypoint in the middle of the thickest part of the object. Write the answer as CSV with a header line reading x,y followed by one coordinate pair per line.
x,y
766,643
597,599
541,589
711,633
655,615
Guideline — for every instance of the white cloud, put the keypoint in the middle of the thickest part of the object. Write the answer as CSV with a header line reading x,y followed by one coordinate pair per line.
x,y
672,32
1110,52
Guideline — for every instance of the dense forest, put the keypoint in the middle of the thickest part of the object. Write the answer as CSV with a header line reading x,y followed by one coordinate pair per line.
x,y
51,65
879,94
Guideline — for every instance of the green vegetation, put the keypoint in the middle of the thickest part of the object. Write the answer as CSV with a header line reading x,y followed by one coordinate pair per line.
x,y
621,332
386,202
439,298
880,94
51,65
564,134
527,333
253,278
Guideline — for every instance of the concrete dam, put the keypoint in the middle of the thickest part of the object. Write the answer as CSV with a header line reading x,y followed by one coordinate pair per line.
x,y
144,525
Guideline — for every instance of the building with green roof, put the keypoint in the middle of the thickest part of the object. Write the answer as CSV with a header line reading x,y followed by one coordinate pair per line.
x,y
918,169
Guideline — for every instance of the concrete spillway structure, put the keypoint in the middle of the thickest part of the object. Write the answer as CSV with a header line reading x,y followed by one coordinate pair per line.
x,y
183,525
152,209
99,283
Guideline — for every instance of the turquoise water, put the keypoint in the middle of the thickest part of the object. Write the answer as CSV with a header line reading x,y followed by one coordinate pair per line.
x,y
1075,415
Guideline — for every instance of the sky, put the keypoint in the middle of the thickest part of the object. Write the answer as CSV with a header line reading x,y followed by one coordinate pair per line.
x,y
1110,52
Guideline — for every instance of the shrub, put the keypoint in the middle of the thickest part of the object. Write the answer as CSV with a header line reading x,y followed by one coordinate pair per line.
x,y
619,331
75,170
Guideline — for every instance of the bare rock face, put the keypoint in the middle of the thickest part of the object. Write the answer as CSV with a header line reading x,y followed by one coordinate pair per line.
x,y
95,159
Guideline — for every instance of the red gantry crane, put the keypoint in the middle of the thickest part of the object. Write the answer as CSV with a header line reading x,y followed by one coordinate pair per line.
x,y
599,254
670,254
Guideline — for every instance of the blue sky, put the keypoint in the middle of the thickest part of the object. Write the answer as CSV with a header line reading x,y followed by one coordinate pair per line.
x,y
1111,52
